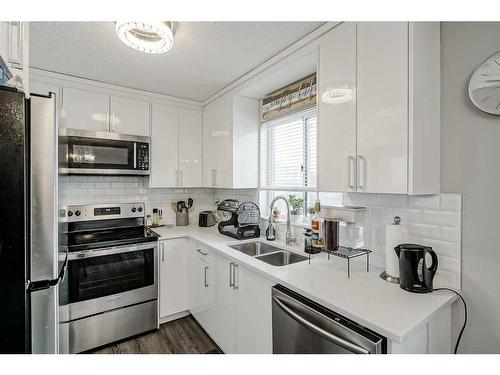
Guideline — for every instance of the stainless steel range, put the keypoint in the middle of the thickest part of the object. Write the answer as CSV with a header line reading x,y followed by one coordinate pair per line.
x,y
111,288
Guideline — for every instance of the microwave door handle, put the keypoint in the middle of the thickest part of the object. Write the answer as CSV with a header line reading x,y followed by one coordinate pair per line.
x,y
135,155
327,335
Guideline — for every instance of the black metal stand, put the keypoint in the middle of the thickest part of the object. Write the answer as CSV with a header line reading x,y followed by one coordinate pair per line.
x,y
350,253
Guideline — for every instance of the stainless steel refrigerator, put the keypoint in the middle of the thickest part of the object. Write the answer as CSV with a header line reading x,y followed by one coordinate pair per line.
x,y
32,261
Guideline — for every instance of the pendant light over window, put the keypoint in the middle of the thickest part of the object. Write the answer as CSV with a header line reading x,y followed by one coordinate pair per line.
x,y
148,37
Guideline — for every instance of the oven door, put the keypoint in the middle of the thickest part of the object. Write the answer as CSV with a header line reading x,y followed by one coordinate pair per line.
x,y
84,152
106,279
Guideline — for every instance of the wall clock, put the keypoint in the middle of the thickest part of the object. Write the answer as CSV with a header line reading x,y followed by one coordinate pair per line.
x,y
484,85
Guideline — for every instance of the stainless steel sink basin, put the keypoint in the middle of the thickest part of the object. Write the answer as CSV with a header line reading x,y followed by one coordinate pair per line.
x,y
255,248
281,258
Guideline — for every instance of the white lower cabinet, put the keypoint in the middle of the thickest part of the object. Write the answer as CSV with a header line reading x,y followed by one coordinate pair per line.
x,y
174,270
232,303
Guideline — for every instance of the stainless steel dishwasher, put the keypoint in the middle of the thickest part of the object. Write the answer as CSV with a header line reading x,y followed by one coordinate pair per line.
x,y
302,326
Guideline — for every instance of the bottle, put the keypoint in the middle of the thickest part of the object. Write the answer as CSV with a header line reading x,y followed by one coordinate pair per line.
x,y
155,217
308,242
271,231
317,232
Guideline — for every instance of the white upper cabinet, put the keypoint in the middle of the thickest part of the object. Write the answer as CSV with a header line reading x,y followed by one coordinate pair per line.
x,y
337,110
83,109
176,147
231,142
14,52
386,138
382,98
164,146
129,116
190,148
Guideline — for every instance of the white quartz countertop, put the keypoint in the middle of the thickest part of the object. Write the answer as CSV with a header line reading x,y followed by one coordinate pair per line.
x,y
364,298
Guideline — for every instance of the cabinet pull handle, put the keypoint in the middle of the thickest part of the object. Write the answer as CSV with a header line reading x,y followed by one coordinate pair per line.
x,y
201,252
206,278
162,252
361,172
350,176
231,274
214,177
235,275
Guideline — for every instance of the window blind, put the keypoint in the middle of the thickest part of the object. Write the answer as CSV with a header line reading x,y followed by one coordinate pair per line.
x,y
288,152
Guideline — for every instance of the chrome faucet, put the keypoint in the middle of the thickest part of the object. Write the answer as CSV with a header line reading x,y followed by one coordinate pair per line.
x,y
289,236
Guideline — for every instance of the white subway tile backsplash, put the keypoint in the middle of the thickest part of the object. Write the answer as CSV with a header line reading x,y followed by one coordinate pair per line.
x,y
451,234
425,201
424,230
394,200
451,202
441,217
408,215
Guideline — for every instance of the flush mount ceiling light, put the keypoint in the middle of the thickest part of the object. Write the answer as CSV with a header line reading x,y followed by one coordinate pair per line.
x,y
148,37
335,96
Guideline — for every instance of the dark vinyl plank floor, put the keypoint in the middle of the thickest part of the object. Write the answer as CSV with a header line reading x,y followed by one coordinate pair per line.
x,y
181,336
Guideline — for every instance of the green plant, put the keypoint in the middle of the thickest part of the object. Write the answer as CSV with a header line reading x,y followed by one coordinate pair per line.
x,y
311,210
296,202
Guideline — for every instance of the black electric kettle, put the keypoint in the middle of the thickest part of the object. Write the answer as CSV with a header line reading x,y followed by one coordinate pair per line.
x,y
414,274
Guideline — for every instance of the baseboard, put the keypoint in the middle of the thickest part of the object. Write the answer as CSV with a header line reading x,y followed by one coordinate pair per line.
x,y
169,318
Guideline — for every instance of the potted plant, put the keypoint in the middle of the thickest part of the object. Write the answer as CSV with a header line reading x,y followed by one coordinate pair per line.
x,y
296,213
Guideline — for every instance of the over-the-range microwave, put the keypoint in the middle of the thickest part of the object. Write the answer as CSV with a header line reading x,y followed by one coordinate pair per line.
x,y
102,153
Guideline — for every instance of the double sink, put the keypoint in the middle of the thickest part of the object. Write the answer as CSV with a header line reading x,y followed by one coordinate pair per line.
x,y
269,254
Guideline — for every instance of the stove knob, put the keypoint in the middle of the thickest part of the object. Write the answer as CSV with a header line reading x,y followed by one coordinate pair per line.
x,y
133,209
77,212
139,209
70,213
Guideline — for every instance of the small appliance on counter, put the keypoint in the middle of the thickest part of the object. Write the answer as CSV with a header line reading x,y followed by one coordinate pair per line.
x,y
414,274
244,221
206,219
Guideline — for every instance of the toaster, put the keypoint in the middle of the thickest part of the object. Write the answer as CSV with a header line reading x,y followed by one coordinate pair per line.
x,y
206,219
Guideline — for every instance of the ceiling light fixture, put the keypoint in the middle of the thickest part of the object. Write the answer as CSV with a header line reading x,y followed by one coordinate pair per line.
x,y
336,96
148,37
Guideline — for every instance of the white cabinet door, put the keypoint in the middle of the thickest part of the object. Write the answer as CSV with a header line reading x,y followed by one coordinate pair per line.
x,y
337,110
222,328
174,262
190,148
164,146
382,100
202,286
15,43
129,116
253,313
84,110
217,143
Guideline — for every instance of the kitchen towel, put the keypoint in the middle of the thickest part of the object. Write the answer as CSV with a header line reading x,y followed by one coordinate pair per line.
x,y
395,234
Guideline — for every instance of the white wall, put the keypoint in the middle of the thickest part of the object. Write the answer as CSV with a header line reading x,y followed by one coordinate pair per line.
x,y
470,164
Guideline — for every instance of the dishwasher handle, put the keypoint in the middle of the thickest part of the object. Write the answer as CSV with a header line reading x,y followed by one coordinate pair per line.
x,y
320,331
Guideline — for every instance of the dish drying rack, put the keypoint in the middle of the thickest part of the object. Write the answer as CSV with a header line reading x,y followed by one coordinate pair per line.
x,y
349,253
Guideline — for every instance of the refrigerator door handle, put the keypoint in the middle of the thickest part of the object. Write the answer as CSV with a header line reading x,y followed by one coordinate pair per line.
x,y
33,286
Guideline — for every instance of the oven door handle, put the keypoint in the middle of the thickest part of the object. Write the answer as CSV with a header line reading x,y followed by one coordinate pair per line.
x,y
110,251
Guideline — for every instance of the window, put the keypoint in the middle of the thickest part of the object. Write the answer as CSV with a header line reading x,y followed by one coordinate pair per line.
x,y
288,153
288,160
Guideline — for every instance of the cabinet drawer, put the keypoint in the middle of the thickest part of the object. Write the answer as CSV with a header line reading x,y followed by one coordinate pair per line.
x,y
204,252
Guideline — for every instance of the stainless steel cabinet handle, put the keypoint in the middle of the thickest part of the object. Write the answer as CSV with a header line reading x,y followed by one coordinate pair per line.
x,y
214,177
327,335
231,274
361,172
162,252
206,278
351,167
235,275
201,252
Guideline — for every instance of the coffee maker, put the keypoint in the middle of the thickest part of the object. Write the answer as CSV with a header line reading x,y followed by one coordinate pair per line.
x,y
414,273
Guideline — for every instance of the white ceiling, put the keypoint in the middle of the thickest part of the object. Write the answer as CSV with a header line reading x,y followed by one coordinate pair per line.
x,y
206,56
